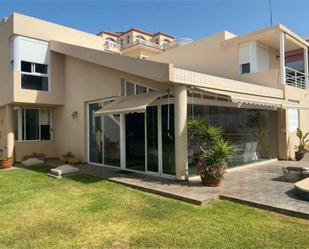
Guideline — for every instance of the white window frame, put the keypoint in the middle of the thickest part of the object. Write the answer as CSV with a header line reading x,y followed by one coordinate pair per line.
x,y
33,73
135,87
21,121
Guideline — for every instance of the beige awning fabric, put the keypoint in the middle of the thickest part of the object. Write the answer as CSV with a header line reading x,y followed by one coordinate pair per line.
x,y
260,101
130,104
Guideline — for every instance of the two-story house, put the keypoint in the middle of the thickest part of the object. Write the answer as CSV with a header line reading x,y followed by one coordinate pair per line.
x,y
61,90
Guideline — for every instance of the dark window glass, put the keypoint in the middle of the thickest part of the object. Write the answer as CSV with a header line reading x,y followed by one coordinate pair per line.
x,y
32,124
135,141
95,134
111,135
245,68
130,89
45,125
152,138
40,68
140,89
168,139
34,82
16,124
252,133
26,66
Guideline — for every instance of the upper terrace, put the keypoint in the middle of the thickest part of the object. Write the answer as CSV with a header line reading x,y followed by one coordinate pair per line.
x,y
129,41
255,50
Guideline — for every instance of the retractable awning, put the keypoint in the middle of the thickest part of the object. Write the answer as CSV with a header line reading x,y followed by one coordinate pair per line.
x,y
240,98
130,104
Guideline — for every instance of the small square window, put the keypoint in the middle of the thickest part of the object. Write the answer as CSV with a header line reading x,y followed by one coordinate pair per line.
x,y
245,68
26,66
40,68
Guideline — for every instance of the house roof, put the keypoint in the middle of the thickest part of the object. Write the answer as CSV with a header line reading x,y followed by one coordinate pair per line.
x,y
118,34
270,36
143,68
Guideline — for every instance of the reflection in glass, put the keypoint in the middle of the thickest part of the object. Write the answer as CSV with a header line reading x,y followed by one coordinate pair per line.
x,y
252,132
135,141
111,126
152,138
168,139
95,134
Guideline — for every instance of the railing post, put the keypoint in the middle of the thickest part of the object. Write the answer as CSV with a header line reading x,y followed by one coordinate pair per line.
x,y
282,57
306,67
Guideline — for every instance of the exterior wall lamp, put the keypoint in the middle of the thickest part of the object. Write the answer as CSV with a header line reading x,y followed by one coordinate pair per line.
x,y
74,115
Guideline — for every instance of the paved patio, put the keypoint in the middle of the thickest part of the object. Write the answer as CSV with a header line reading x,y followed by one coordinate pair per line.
x,y
259,186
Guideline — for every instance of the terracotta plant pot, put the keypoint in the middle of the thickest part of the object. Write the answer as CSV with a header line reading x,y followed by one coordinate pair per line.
x,y
5,164
210,181
299,155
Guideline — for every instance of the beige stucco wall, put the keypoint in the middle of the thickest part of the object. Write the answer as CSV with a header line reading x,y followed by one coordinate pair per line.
x,y
43,30
207,55
55,95
2,128
6,76
85,82
140,50
302,96
27,148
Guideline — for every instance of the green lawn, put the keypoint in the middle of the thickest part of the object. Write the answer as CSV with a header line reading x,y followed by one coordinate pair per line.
x,y
87,212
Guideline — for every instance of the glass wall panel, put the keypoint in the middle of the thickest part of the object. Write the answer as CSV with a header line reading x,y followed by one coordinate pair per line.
x,y
95,134
168,139
32,124
152,138
252,132
111,133
135,141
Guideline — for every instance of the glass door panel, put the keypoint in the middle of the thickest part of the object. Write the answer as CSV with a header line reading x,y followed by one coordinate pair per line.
x,y
135,141
168,139
152,138
95,134
111,133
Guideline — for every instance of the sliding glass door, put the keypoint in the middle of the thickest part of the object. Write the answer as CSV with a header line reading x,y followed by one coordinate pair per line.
x,y
148,139
152,139
104,137
95,134
135,141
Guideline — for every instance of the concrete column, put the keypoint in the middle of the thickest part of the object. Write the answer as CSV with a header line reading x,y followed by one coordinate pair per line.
x,y
282,57
181,140
9,131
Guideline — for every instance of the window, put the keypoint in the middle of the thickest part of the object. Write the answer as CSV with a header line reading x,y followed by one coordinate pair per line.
x,y
133,89
245,68
128,39
34,76
121,42
32,124
293,120
140,37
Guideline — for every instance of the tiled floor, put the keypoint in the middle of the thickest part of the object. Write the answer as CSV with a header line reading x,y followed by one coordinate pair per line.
x,y
260,186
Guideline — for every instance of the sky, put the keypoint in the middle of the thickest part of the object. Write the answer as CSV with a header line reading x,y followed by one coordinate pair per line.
x,y
182,18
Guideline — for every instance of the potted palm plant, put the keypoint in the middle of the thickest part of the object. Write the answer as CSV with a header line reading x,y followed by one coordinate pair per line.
x,y
214,152
301,148
6,162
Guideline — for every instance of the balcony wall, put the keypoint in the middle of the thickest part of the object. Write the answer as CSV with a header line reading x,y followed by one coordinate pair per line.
x,y
269,78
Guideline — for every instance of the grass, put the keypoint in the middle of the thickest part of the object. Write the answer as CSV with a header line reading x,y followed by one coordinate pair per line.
x,y
87,212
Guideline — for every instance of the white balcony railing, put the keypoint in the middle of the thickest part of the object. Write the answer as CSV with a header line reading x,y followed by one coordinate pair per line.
x,y
112,46
144,42
296,78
